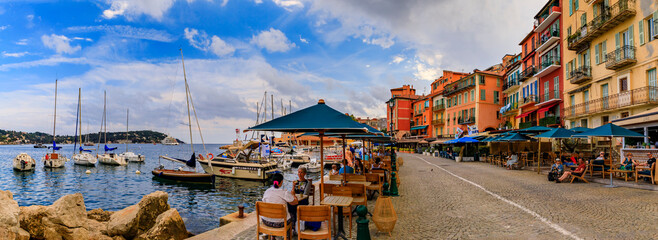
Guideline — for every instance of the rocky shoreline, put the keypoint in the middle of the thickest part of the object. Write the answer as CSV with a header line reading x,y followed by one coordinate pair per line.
x,y
68,218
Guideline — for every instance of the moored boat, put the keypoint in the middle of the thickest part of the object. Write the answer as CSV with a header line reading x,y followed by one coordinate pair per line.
x,y
84,158
23,162
132,157
54,160
184,176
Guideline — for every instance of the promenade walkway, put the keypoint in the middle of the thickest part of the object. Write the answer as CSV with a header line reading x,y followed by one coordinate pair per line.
x,y
442,199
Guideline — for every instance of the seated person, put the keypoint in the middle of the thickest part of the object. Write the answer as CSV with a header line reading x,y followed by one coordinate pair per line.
x,y
557,169
334,169
276,194
303,186
573,160
628,162
377,164
358,167
512,160
648,164
579,171
345,168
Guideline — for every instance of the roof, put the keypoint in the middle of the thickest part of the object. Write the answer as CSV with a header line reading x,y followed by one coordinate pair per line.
x,y
530,34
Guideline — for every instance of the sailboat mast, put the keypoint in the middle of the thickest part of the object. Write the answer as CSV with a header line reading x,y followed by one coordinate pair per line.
x,y
187,99
105,117
55,116
127,113
79,121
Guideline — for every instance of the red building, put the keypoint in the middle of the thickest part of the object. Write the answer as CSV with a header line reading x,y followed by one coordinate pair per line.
x,y
399,111
550,74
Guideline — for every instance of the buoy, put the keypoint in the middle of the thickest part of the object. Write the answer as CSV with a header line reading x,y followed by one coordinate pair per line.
x,y
138,172
88,172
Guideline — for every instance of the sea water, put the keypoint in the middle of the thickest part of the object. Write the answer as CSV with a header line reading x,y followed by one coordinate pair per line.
x,y
113,188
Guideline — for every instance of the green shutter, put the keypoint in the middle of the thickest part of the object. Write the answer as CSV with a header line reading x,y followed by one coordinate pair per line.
x,y
576,1
630,35
588,61
570,7
596,12
596,54
604,57
616,41
640,26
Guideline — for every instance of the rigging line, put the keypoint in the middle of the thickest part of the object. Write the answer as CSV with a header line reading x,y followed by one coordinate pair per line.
x,y
171,99
203,143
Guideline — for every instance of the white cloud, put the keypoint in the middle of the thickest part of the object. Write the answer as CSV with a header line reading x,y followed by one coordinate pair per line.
x,y
22,42
258,1
59,43
3,27
30,20
18,54
83,39
289,4
304,40
52,61
273,40
214,44
397,59
127,32
132,9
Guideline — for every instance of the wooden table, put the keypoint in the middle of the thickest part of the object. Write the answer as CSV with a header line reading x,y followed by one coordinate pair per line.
x,y
625,172
339,202
337,182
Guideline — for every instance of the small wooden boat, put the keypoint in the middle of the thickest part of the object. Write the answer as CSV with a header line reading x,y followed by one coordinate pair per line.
x,y
184,176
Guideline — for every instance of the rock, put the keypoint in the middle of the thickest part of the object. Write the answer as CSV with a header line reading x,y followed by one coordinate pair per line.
x,y
69,211
118,238
34,219
136,219
99,215
150,207
96,226
15,233
169,225
8,210
123,222
84,234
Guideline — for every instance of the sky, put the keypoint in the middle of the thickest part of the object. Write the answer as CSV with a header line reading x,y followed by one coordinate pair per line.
x,y
349,53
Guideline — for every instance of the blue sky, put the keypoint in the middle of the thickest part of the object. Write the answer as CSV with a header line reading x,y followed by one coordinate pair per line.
x,y
347,52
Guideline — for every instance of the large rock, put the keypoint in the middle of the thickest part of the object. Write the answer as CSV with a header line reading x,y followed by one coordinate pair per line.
x,y
136,219
99,215
169,225
34,220
69,211
84,234
13,233
8,210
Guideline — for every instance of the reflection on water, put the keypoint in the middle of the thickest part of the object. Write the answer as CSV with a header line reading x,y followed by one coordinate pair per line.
x,y
116,187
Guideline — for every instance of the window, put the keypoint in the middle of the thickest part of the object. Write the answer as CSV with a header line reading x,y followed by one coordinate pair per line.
x,y
605,120
427,103
481,77
624,114
496,97
556,87
573,124
472,95
583,122
459,99
545,91
482,95
497,82
533,43
583,20
651,77
569,31
623,84
465,97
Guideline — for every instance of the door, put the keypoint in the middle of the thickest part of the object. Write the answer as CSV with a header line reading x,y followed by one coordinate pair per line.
x,y
624,94
651,77
586,100
604,96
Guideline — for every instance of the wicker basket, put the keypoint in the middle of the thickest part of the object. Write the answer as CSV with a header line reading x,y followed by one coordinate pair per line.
x,y
384,215
399,162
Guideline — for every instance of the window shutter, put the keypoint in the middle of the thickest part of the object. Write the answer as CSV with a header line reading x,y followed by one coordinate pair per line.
x,y
640,26
588,61
604,57
596,12
576,1
570,7
630,35
616,41
596,54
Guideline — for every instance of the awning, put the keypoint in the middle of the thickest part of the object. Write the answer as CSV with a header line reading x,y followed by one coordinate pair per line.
x,y
525,114
544,109
646,117
419,127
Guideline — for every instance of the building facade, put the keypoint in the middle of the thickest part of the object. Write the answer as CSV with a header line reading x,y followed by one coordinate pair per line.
x,y
529,91
511,87
400,114
439,102
549,49
611,57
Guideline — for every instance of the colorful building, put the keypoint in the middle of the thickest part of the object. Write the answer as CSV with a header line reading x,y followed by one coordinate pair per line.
x,y
438,102
400,114
422,112
611,59
549,50
529,91
511,90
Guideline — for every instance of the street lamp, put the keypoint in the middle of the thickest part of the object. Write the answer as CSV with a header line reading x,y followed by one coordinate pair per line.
x,y
391,104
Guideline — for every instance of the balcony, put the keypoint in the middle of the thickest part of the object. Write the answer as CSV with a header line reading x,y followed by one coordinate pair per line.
x,y
551,95
528,72
469,120
545,21
530,99
548,121
512,112
524,125
548,65
620,58
609,18
419,113
510,86
547,39
636,97
438,122
460,85
580,75
438,107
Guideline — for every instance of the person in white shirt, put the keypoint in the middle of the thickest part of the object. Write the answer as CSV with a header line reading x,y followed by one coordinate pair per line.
x,y
276,194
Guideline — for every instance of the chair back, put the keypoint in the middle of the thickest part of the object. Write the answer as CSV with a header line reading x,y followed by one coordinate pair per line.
x,y
344,191
271,210
336,177
328,188
355,178
378,171
358,191
373,178
313,213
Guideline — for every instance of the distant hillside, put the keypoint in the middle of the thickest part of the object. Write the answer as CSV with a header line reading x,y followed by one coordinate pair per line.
x,y
15,137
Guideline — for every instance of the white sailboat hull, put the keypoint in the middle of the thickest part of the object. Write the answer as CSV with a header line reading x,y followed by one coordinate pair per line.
x,y
111,159
23,162
54,160
132,157
85,159
249,171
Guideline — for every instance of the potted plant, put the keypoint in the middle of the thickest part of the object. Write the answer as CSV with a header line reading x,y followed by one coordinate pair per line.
x,y
646,145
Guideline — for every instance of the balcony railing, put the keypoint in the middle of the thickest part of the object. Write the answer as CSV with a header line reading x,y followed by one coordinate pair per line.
x,y
639,96
550,120
621,57
580,75
609,18
419,113
438,107
510,84
527,124
550,95
547,18
549,61
461,84
446,136
438,122
528,72
466,120
529,99
547,38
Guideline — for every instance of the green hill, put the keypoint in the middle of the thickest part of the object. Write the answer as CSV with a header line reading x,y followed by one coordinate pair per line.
x,y
144,136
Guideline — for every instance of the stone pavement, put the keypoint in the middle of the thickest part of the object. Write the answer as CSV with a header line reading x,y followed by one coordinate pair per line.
x,y
442,199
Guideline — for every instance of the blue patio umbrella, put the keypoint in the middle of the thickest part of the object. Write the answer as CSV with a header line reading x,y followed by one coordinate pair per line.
x,y
580,129
609,130
535,129
318,118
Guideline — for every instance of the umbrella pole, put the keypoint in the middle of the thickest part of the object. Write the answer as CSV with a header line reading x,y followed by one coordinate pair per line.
x,y
321,166
610,155
344,160
539,158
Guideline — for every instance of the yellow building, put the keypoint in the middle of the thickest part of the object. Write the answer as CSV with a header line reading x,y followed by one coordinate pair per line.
x,y
610,58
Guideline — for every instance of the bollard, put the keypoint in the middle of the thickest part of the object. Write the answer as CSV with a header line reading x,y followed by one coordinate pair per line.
x,y
394,186
241,211
362,230
385,189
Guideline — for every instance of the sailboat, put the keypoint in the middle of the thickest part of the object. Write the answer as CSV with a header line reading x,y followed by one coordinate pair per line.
x,y
23,162
130,156
107,158
179,174
54,160
83,157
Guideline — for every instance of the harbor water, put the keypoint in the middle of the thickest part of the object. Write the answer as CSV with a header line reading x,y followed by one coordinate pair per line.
x,y
116,187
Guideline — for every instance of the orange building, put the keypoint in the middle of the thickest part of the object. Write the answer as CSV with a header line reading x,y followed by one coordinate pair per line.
x,y
399,109
474,101
422,113
438,103
529,83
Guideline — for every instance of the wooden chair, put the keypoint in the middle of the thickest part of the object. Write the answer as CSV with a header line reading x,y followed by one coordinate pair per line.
x,y
314,214
328,188
336,177
344,191
359,194
355,178
376,181
272,210
641,171
580,176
